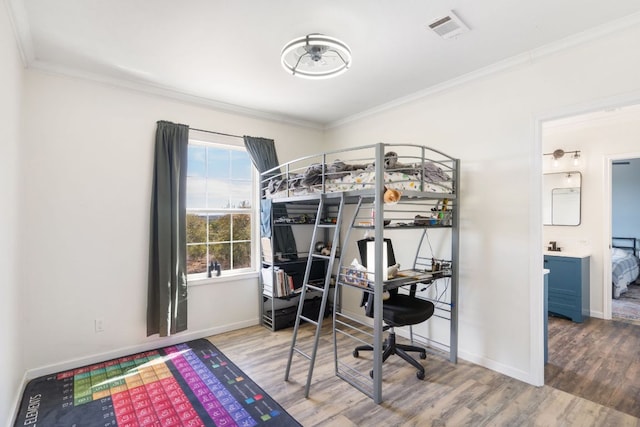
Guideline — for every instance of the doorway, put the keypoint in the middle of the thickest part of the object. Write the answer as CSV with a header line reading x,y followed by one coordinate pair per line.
x,y
597,135
604,138
625,228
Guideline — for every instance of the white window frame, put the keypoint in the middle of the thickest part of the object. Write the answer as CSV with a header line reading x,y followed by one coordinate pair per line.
x,y
229,143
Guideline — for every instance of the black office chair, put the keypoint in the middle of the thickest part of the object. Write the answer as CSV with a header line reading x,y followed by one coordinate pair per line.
x,y
398,310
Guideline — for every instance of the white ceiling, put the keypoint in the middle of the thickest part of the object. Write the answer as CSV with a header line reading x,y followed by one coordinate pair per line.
x,y
227,53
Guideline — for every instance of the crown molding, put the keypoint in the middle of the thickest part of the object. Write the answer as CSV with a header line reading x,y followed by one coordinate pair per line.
x,y
171,93
18,17
515,61
20,24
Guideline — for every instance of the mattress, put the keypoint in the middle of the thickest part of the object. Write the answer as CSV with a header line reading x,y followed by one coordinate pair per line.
x,y
625,269
365,180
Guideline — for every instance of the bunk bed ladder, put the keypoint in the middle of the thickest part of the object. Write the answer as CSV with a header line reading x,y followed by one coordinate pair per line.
x,y
323,288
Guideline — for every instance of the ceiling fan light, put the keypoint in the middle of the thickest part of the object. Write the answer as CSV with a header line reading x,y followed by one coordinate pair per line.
x,y
316,56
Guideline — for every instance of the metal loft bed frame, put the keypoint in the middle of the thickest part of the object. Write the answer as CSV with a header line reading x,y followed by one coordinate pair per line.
x,y
425,205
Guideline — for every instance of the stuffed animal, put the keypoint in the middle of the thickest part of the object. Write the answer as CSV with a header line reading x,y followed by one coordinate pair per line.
x,y
324,249
390,160
392,270
392,196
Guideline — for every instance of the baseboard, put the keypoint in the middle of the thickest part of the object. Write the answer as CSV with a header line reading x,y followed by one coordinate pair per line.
x,y
509,371
146,346
16,400
435,347
473,358
597,314
123,351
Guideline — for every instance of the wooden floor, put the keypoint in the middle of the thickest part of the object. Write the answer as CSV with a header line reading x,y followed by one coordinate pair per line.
x,y
597,360
460,394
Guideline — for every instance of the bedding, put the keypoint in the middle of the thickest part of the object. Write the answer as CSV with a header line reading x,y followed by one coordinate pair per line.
x,y
340,177
625,269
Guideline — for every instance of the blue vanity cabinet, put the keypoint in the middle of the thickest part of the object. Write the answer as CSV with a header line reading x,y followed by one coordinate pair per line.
x,y
545,316
568,286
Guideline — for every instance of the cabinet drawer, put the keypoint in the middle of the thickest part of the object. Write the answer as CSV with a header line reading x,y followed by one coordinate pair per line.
x,y
565,305
561,307
565,274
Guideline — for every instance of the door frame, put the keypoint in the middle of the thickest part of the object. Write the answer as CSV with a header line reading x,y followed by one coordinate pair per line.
x,y
608,229
536,292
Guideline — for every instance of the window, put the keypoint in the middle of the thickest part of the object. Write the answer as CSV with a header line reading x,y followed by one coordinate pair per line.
x,y
220,217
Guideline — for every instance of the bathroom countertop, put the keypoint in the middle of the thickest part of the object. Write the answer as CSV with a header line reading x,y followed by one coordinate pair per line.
x,y
568,254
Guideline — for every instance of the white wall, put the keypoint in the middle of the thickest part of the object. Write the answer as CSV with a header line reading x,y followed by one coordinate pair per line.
x,y
88,152
625,197
85,184
489,124
11,365
596,140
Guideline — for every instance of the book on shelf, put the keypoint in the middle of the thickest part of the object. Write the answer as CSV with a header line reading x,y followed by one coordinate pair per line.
x,y
267,282
280,278
267,250
276,282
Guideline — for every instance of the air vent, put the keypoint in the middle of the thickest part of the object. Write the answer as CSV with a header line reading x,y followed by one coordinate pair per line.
x,y
448,26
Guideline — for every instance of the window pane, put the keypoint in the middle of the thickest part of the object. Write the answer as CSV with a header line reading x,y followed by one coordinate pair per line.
x,y
196,160
241,227
241,194
196,193
218,163
196,259
240,165
221,252
218,195
196,229
219,228
242,255
219,178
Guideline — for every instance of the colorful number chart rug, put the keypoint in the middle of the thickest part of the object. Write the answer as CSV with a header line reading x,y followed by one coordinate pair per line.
x,y
190,384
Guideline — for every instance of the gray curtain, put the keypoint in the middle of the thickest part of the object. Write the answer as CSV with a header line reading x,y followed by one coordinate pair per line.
x,y
167,292
264,157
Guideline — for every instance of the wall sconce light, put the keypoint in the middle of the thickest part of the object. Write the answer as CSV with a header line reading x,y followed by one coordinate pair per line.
x,y
559,153
576,158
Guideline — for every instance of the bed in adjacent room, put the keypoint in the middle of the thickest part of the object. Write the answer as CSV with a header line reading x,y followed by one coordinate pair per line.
x,y
625,265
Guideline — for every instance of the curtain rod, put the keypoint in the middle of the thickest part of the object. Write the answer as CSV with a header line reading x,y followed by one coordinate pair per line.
x,y
216,133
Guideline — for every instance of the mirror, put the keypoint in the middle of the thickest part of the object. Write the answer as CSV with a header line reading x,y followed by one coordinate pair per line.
x,y
561,198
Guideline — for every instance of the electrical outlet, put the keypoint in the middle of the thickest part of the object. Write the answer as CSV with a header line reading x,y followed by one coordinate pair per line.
x,y
99,325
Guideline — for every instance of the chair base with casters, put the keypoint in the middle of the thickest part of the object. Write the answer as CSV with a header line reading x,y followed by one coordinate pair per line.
x,y
402,310
390,347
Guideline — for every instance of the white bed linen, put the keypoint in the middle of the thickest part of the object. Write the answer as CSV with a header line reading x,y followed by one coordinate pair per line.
x,y
625,269
363,181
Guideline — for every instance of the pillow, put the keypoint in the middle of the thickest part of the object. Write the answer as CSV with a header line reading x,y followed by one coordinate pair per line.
x,y
618,253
